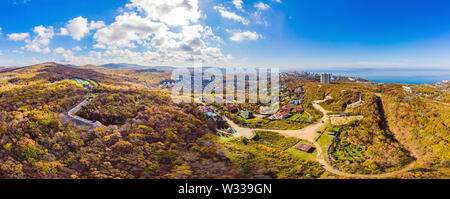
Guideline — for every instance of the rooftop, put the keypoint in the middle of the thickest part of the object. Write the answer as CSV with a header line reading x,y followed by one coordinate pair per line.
x,y
303,147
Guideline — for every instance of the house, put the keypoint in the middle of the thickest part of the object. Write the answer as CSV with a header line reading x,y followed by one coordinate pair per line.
x,y
299,110
246,115
268,110
281,115
295,102
265,110
287,108
205,109
358,103
232,109
299,90
331,133
304,147
208,111
211,115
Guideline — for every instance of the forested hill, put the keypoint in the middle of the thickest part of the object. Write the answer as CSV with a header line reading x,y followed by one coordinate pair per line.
x,y
145,135
154,139
423,125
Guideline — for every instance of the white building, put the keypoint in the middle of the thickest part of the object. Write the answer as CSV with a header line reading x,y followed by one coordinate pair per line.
x,y
325,78
408,89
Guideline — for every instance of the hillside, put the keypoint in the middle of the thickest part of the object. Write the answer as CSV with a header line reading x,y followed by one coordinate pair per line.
x,y
144,135
124,66
423,125
157,140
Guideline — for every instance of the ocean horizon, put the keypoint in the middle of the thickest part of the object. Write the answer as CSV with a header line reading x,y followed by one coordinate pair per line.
x,y
392,75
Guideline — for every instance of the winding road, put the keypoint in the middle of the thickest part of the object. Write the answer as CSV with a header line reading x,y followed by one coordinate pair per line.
x,y
309,133
79,121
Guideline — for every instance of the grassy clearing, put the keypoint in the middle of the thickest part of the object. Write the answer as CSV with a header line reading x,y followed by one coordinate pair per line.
x,y
349,152
345,120
303,155
262,157
273,140
275,124
325,141
299,117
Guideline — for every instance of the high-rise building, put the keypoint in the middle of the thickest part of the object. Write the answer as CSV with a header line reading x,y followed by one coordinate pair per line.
x,y
325,78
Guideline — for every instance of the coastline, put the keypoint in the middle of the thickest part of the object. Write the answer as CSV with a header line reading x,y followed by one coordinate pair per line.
x,y
399,76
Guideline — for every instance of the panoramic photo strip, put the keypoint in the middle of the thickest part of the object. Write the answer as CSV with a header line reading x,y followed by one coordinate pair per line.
x,y
193,93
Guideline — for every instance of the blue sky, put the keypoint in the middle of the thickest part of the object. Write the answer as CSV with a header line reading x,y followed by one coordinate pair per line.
x,y
290,34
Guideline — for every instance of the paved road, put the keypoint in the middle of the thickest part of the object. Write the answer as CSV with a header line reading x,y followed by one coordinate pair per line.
x,y
79,121
309,133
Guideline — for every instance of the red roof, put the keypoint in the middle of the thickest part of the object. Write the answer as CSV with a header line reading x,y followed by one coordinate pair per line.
x,y
282,113
303,147
287,108
205,108
299,109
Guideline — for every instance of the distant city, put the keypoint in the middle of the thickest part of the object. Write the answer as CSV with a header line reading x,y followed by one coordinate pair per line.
x,y
392,75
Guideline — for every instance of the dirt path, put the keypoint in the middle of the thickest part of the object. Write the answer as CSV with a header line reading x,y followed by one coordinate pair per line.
x,y
329,168
309,133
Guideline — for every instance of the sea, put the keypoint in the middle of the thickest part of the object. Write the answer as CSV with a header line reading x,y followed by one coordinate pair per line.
x,y
392,75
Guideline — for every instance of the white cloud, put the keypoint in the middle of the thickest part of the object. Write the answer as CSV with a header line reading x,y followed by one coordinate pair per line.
x,y
261,6
43,34
147,32
260,19
239,36
41,41
77,48
18,36
17,51
1,53
96,25
79,27
238,4
64,32
99,46
127,30
59,50
65,53
19,2
170,12
278,1
46,50
231,15
165,32
1,31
